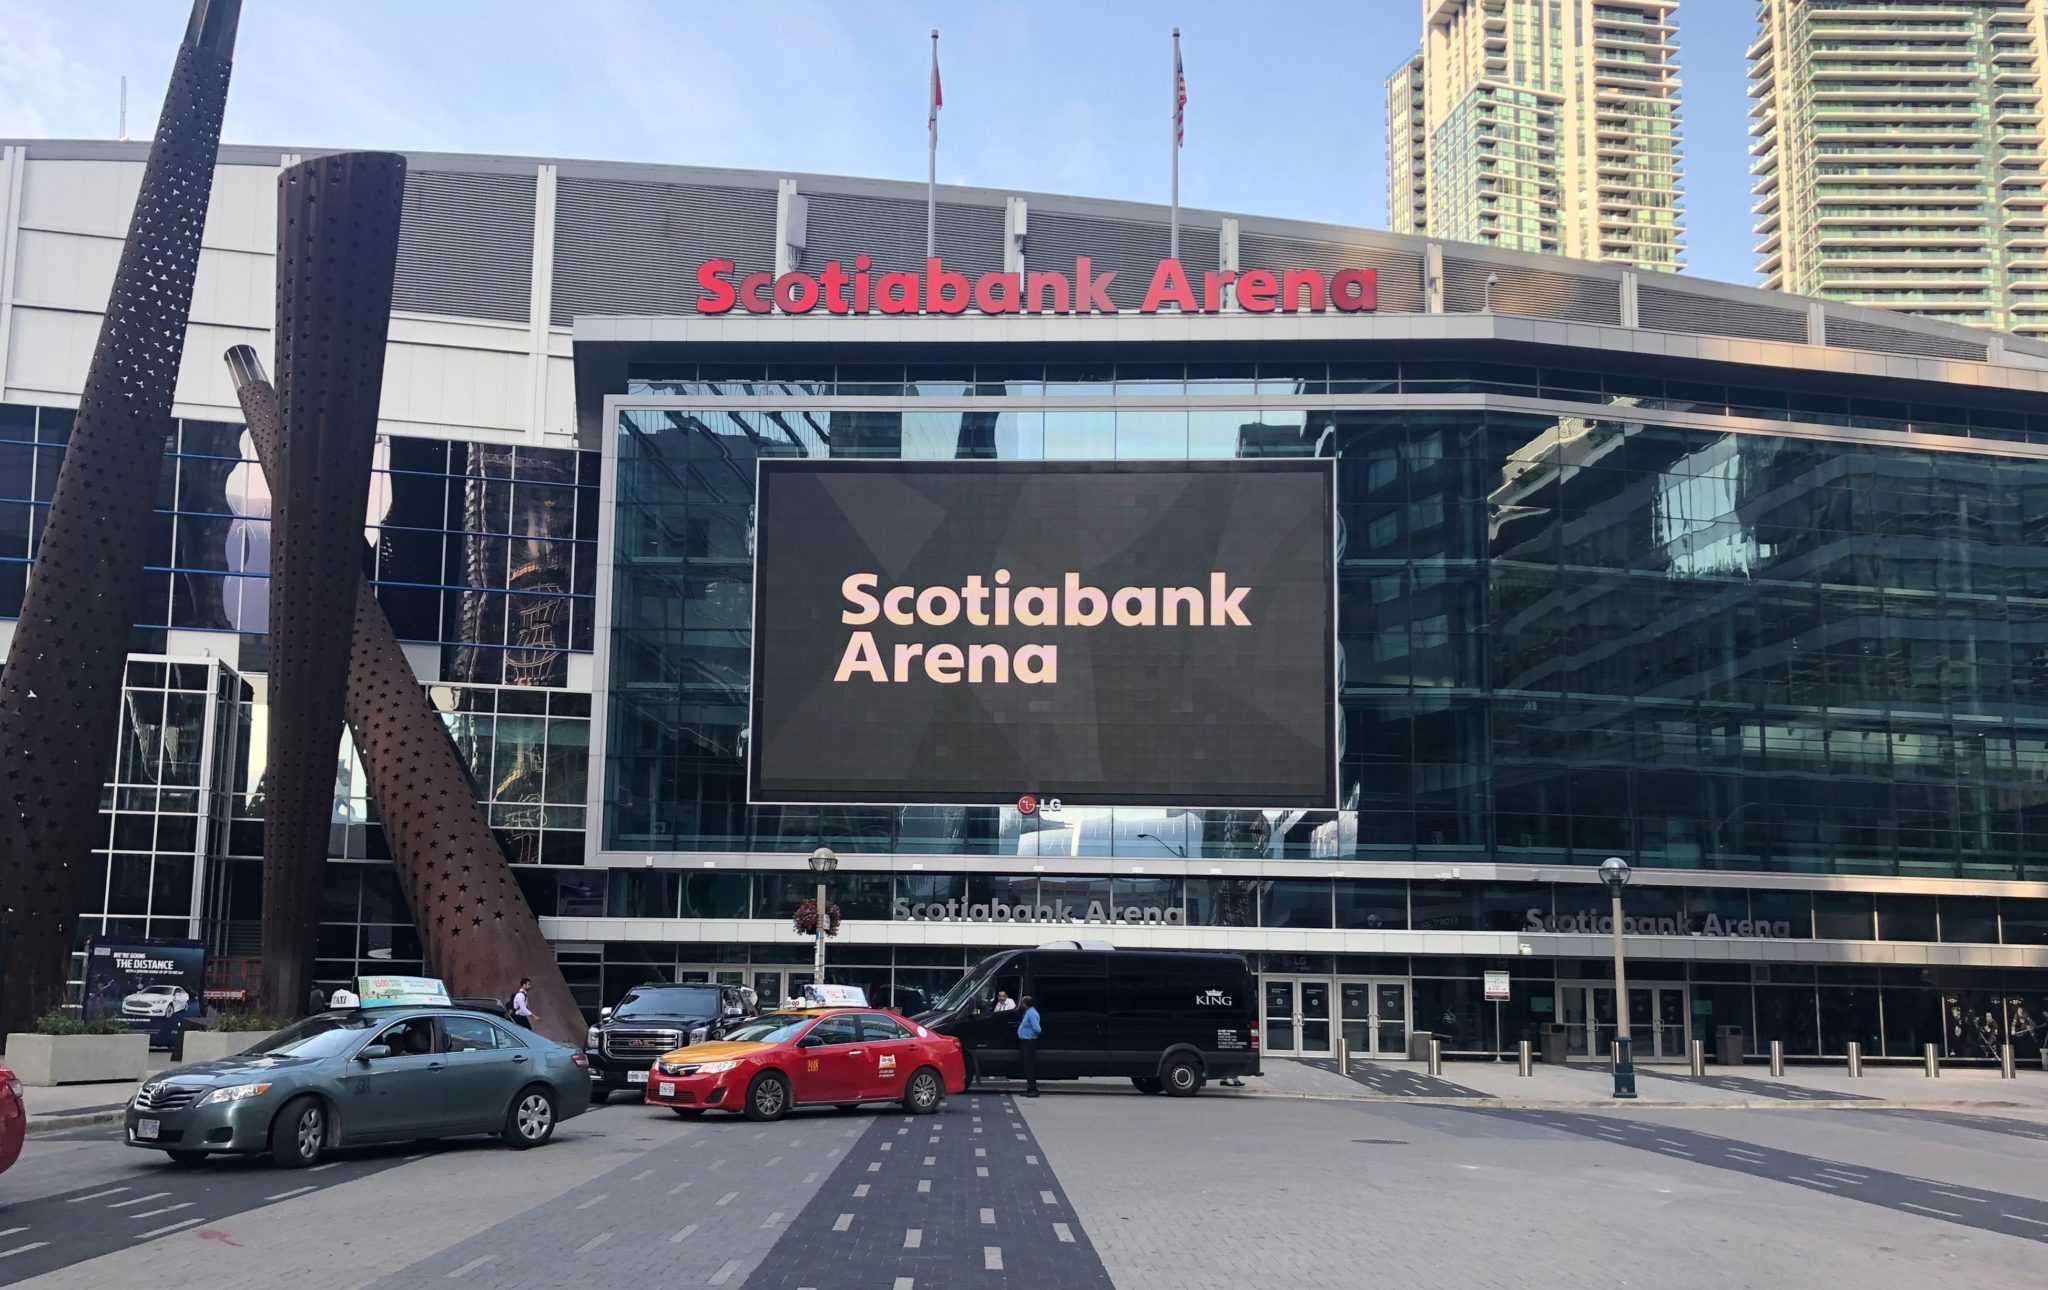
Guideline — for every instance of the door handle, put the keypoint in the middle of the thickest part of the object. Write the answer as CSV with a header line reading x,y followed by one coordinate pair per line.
x,y
433,1066
853,1052
519,1060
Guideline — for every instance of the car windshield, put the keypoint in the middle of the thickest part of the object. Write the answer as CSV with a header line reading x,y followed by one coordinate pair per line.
x,y
688,1001
328,1035
964,989
156,989
775,1028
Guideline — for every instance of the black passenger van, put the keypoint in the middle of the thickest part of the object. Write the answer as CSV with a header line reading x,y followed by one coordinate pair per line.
x,y
1170,1021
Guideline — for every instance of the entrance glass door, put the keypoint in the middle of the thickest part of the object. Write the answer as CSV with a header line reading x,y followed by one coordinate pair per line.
x,y
1298,1017
1374,1017
1657,1020
1280,1030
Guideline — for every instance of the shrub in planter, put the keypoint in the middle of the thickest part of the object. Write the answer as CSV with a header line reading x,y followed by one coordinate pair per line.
x,y
66,1050
59,1022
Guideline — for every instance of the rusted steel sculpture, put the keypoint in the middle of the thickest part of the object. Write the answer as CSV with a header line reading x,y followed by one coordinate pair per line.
x,y
479,933
337,249
60,693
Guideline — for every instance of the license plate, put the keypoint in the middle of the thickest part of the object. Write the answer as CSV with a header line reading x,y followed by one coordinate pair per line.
x,y
636,1077
146,1130
668,1090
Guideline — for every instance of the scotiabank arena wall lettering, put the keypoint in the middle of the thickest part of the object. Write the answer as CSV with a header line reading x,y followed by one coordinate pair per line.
x,y
1102,632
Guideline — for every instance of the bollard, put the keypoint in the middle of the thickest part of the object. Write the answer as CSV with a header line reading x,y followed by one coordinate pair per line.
x,y
1526,1060
1855,1060
2007,1068
1436,1056
1699,1058
1778,1058
1344,1057
1932,1060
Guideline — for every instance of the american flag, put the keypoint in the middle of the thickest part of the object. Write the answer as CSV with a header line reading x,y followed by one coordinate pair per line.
x,y
1180,99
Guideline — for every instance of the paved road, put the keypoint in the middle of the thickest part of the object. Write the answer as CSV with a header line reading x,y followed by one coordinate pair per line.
x,y
1090,1186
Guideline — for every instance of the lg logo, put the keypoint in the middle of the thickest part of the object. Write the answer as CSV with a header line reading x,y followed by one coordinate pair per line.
x,y
1029,805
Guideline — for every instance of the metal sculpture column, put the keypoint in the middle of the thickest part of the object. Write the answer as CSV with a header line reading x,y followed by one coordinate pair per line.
x,y
60,694
337,249
479,933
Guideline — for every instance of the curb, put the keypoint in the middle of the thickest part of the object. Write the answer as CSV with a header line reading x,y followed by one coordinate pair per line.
x,y
38,1124
1760,1104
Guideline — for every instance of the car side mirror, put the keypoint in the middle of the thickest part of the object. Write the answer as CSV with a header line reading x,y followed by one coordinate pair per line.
x,y
604,1014
373,1052
810,1041
733,1010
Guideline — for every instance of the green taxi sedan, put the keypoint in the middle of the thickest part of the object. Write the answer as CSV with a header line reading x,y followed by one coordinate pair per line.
x,y
362,1076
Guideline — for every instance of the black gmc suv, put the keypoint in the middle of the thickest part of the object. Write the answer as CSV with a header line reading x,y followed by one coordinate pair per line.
x,y
654,1019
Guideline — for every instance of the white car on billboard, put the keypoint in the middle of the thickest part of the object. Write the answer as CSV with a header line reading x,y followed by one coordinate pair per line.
x,y
156,1001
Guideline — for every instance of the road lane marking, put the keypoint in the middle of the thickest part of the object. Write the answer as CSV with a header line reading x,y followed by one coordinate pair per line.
x,y
122,1204
842,1222
1819,1182
775,1160
724,1274
1047,1198
472,1265
905,1283
159,1231
716,1164
1744,1151
1031,1160
2024,1219
296,1191
726,1199
677,1188
593,1200
981,1151
988,1218
875,1168
32,1245
924,1185
981,1171
1674,1151
1954,1195
152,1213
860,1191
888,1146
643,1174
1846,1173
332,1164
1065,1233
683,1235
992,1258
12,1230
772,1219
810,1178
913,1238
931,1160
593,1242
1928,1209
111,1191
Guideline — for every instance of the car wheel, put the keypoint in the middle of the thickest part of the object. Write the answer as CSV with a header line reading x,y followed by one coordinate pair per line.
x,y
1182,1077
530,1120
924,1092
1149,1083
767,1097
689,1112
298,1136
187,1159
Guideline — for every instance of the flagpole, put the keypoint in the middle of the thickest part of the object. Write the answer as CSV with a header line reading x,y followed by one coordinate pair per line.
x,y
931,174
1173,223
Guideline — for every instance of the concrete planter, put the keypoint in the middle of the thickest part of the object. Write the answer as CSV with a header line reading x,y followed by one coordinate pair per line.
x,y
212,1045
45,1060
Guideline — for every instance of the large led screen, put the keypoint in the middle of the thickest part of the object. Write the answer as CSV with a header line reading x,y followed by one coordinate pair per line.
x,y
1104,633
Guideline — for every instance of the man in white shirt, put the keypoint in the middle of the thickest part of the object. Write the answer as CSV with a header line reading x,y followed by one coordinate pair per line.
x,y
1004,1003
522,1011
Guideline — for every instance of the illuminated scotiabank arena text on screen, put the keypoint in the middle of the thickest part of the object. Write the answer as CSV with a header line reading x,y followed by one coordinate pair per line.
x,y
1107,633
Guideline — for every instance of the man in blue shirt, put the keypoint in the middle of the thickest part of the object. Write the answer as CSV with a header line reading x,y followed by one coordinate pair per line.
x,y
1027,1046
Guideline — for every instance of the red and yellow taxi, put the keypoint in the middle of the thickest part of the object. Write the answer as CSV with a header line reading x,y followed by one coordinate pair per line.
x,y
840,1057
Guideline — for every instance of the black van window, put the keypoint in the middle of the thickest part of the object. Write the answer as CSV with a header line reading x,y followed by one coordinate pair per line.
x,y
1055,993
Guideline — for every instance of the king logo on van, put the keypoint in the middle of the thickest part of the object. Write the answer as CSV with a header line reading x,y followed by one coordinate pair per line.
x,y
1212,999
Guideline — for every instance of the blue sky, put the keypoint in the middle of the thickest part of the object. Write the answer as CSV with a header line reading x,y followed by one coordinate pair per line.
x,y
1286,114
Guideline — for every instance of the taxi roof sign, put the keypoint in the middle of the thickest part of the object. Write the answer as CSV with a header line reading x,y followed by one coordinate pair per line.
x,y
835,996
400,992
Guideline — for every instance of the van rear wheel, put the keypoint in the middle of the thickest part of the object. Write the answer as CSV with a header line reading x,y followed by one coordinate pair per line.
x,y
1149,1083
1182,1077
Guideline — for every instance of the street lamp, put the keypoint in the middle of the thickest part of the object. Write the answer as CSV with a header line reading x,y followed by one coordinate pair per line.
x,y
1492,281
823,861
1614,871
1179,851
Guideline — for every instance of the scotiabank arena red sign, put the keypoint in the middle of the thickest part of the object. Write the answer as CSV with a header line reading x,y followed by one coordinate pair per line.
x,y
938,290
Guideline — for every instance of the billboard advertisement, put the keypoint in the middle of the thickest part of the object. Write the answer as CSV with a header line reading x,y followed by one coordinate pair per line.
x,y
152,985
1101,632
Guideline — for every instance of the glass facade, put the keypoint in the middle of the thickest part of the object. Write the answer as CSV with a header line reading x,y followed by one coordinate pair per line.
x,y
1564,636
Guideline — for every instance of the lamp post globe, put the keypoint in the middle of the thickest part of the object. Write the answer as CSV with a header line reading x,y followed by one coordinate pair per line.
x,y
823,861
1615,871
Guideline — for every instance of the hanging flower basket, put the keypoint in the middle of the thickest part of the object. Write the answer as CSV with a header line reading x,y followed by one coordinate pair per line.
x,y
806,920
